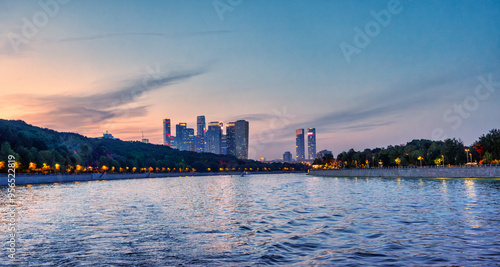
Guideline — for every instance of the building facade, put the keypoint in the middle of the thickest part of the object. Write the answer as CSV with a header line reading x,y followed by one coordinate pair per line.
x,y
231,139
311,143
287,156
200,134
214,137
179,132
189,143
241,138
299,145
166,133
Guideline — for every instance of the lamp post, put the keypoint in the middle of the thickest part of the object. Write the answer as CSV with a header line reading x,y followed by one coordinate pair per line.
x,y
443,159
467,154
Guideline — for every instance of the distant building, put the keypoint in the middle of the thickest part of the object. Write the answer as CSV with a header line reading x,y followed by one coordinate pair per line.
x,y
287,156
311,143
166,133
173,142
107,136
323,153
200,134
188,135
231,138
145,140
179,132
299,145
223,146
241,133
214,137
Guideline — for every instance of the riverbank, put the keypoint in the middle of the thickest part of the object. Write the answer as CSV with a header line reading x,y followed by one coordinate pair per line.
x,y
452,172
25,179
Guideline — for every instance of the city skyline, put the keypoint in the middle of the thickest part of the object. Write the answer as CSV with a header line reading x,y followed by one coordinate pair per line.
x,y
364,74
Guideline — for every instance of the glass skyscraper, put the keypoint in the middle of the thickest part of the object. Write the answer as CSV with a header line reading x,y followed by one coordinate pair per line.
x,y
214,137
311,143
166,132
179,135
299,145
241,134
200,134
188,135
231,139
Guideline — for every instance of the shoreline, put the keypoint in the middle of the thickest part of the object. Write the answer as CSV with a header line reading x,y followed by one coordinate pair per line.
x,y
25,179
453,172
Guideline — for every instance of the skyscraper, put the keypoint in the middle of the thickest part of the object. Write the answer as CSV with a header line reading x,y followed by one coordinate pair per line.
x,y
311,143
214,137
166,132
299,144
179,134
223,144
287,156
241,134
231,139
188,135
200,134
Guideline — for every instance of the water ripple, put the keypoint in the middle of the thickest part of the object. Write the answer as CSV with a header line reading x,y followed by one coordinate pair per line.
x,y
259,220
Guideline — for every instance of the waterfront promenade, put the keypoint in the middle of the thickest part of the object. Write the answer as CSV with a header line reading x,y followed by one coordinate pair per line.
x,y
426,172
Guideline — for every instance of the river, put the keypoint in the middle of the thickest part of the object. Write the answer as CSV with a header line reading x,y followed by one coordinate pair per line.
x,y
257,220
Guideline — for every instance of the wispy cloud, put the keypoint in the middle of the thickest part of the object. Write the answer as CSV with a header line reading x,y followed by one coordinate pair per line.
x,y
139,34
82,110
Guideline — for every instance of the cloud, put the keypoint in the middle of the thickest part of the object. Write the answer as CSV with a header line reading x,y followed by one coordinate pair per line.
x,y
139,34
80,111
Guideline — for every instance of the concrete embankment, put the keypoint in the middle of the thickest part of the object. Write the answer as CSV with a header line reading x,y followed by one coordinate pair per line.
x,y
24,179
452,172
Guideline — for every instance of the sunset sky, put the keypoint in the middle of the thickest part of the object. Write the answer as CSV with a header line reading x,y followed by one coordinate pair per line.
x,y
123,66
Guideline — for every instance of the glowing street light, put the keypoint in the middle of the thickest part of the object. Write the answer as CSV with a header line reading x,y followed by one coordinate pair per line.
x,y
467,154
420,158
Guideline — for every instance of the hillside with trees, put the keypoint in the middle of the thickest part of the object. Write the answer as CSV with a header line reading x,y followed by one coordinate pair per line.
x,y
40,150
486,150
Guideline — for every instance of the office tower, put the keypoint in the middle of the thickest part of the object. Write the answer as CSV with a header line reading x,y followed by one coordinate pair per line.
x,y
299,145
166,132
200,134
241,134
311,143
188,135
214,137
179,132
287,156
231,139
173,142
223,146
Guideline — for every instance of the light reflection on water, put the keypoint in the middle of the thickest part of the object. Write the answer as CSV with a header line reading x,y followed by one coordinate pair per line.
x,y
261,219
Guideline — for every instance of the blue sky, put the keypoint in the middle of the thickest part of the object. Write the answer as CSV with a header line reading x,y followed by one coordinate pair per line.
x,y
123,66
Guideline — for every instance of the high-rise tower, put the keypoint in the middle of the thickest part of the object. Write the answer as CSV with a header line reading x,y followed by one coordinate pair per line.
x,y
166,132
241,138
299,145
311,143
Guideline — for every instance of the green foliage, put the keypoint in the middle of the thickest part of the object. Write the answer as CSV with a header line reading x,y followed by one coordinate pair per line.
x,y
429,151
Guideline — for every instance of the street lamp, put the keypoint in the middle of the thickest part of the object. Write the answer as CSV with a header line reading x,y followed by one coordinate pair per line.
x,y
420,158
467,154
443,159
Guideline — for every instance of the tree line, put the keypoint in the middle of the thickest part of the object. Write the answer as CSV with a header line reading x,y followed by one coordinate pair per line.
x,y
486,150
40,150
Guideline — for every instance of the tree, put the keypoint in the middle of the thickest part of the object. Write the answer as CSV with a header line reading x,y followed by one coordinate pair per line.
x,y
398,161
491,142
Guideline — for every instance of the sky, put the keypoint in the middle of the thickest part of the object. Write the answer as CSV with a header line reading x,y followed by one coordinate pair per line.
x,y
365,74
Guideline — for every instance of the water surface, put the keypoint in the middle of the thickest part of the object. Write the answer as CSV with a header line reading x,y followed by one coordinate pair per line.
x,y
259,219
